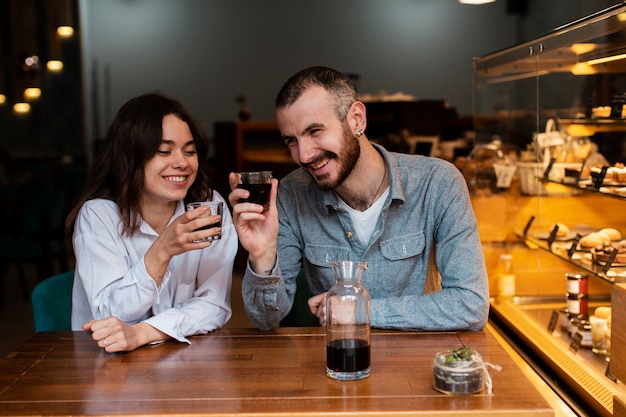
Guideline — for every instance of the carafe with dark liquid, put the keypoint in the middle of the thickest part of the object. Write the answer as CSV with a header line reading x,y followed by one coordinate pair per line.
x,y
348,324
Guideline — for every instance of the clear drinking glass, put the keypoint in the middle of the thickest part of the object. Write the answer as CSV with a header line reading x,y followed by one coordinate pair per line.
x,y
599,330
217,207
259,184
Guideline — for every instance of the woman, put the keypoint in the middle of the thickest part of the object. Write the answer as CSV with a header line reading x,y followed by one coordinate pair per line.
x,y
142,273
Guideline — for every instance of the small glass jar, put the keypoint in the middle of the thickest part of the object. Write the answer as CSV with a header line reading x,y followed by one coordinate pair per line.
x,y
458,377
575,321
577,282
599,333
584,328
577,304
506,275
564,319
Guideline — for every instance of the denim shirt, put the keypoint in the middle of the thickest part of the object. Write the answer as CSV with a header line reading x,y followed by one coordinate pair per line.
x,y
428,207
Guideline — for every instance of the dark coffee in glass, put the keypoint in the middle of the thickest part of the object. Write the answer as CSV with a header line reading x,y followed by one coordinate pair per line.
x,y
258,183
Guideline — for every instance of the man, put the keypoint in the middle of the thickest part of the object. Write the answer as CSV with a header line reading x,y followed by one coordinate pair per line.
x,y
352,200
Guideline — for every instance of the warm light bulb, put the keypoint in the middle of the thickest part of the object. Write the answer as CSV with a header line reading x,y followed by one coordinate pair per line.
x,y
21,108
65,31
582,48
32,93
55,65
583,68
476,1
3,99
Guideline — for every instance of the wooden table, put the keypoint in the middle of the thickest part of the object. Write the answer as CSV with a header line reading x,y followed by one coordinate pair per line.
x,y
248,372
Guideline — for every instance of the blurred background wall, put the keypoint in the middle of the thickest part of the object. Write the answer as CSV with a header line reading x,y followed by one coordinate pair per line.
x,y
209,52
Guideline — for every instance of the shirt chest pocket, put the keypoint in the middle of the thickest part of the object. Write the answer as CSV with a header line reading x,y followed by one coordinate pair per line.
x,y
325,255
403,247
321,257
402,258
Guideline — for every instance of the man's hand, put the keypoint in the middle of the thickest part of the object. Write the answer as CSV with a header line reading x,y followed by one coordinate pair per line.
x,y
317,305
342,313
257,228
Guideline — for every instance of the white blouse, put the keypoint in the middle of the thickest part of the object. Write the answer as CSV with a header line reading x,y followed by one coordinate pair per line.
x,y
111,277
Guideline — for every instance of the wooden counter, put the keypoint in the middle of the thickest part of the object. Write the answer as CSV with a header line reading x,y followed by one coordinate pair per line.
x,y
248,372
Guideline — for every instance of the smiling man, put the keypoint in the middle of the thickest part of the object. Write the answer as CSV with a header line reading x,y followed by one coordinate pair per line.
x,y
409,217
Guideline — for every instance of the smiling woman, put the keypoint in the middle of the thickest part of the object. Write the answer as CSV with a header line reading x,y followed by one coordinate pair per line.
x,y
170,173
144,272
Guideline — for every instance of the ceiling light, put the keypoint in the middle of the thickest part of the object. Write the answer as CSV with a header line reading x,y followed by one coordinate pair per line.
x,y
476,1
583,48
32,93
21,108
65,31
583,68
55,65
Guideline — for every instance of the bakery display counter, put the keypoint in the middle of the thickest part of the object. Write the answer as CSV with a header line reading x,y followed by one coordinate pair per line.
x,y
572,177
532,325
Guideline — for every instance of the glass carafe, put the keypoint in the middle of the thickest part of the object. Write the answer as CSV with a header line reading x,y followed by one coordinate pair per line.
x,y
348,324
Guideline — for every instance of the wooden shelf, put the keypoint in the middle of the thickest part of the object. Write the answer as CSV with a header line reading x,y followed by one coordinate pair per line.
x,y
249,145
589,127
582,260
587,186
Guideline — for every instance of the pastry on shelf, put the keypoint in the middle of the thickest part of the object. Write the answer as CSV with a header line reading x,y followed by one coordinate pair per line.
x,y
602,254
600,238
601,111
562,230
603,312
619,173
615,175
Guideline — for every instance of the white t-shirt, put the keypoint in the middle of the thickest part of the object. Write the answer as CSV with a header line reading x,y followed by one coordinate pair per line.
x,y
365,221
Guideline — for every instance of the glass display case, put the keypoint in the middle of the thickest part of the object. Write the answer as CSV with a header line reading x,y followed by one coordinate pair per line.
x,y
548,185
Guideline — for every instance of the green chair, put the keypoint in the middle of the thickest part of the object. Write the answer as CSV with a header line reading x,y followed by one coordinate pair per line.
x,y
52,303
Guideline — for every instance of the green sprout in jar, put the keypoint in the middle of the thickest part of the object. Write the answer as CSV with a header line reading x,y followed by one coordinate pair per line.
x,y
459,355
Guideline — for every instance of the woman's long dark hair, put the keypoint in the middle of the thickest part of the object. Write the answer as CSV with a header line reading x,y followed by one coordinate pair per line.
x,y
132,140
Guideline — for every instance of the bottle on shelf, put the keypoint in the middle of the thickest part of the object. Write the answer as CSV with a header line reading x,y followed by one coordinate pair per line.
x,y
506,276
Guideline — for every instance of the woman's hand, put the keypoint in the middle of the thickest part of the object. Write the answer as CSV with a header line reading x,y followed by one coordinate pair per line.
x,y
113,335
183,235
178,237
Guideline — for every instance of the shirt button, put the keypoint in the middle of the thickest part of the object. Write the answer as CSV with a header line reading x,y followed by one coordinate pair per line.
x,y
349,235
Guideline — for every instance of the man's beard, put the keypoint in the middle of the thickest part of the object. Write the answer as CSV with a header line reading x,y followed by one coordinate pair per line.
x,y
350,153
